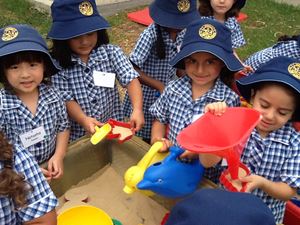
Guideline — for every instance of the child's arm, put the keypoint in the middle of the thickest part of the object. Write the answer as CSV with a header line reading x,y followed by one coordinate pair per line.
x,y
46,219
76,113
149,81
279,190
55,163
158,132
136,97
247,68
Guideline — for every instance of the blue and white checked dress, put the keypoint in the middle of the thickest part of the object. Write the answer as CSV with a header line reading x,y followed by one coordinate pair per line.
x,y
41,199
145,57
77,84
177,108
237,36
16,119
283,48
277,158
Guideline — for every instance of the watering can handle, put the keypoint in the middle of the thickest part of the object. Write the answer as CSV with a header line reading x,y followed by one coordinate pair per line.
x,y
100,133
175,151
144,162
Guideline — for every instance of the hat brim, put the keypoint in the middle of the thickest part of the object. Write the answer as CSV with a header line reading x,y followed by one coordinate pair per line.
x,y
170,20
240,4
73,28
229,59
245,84
22,46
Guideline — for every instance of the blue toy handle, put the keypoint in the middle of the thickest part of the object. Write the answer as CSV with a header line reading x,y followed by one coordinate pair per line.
x,y
175,151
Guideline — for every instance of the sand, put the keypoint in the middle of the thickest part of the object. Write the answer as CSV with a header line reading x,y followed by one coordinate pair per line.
x,y
105,191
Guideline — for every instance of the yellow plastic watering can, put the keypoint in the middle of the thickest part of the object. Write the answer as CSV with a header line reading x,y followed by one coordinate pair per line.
x,y
101,133
136,173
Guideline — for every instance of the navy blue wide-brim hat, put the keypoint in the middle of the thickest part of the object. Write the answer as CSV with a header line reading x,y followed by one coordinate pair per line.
x,y
72,18
281,69
211,36
240,3
21,37
220,207
176,14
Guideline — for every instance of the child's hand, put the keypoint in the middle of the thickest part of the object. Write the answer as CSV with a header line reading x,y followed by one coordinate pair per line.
x,y
89,124
47,174
137,120
216,108
166,143
56,166
253,182
247,69
188,155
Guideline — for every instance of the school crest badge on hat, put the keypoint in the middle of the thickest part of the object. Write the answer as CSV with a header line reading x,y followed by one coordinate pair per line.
x,y
294,69
183,5
9,34
207,31
86,8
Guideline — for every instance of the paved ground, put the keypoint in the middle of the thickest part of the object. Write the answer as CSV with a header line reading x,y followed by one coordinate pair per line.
x,y
105,7
111,7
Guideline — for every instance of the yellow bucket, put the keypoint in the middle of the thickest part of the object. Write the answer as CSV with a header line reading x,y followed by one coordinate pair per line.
x,y
84,215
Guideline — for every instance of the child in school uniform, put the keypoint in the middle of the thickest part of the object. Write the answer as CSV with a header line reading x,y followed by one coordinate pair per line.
x,y
25,195
285,46
156,46
226,11
90,67
272,152
207,57
32,113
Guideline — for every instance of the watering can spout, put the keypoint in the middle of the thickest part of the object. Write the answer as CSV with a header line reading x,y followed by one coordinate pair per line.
x,y
128,190
136,173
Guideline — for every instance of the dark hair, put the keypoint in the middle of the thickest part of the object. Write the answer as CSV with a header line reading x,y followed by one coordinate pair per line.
x,y
288,38
227,76
26,56
12,184
205,9
62,52
159,44
288,89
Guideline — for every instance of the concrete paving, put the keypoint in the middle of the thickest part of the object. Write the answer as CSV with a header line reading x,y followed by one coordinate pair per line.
x,y
105,7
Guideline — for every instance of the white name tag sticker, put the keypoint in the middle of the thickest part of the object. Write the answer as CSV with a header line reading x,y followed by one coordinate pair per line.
x,y
32,137
104,79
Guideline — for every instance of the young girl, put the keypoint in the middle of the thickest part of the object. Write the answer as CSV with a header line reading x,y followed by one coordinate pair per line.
x,y
207,57
286,46
90,65
226,11
272,152
32,113
156,46
25,196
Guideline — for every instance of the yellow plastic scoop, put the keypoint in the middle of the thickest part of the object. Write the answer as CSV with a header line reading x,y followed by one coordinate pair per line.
x,y
136,173
101,133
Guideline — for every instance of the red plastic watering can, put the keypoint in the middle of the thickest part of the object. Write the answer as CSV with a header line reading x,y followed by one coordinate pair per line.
x,y
224,136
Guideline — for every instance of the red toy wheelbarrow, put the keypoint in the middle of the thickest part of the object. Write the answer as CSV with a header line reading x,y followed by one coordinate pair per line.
x,y
224,136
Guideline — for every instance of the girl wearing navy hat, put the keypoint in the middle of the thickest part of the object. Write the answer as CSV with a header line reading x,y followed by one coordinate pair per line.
x,y
272,152
90,67
25,195
226,11
33,115
286,46
157,44
207,57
